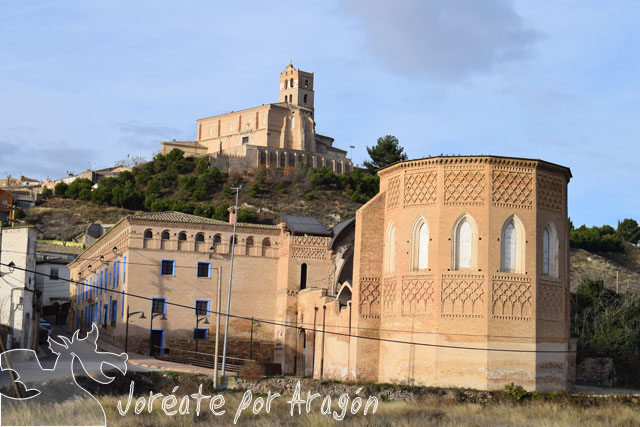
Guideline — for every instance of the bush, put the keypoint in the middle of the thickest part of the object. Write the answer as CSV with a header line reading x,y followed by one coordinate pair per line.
x,y
221,212
254,190
246,216
60,189
596,239
46,193
515,392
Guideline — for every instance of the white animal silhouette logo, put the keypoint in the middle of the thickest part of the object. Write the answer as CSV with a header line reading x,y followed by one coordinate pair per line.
x,y
58,385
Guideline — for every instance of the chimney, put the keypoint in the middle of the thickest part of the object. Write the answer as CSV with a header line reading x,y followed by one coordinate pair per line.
x,y
232,215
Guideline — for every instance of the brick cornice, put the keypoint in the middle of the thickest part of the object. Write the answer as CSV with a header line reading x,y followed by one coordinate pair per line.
x,y
477,160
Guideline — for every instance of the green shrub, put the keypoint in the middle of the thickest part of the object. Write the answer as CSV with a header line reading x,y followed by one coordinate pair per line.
x,y
60,189
247,216
596,239
515,392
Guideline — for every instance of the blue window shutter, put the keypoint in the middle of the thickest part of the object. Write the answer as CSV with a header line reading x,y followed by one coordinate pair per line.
x,y
164,306
122,308
124,270
174,267
209,270
110,300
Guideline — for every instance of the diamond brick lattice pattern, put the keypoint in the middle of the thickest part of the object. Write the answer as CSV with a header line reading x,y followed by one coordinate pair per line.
x,y
512,299
464,187
550,193
393,192
420,188
512,189
417,296
370,296
310,240
550,302
462,297
389,296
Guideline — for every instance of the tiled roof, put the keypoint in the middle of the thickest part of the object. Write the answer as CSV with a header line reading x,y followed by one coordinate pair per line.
x,y
172,216
58,249
305,225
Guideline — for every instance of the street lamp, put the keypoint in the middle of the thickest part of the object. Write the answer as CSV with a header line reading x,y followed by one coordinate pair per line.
x,y
205,321
153,315
126,334
233,244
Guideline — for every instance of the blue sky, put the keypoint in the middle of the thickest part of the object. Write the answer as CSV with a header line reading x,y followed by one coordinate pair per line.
x,y
87,83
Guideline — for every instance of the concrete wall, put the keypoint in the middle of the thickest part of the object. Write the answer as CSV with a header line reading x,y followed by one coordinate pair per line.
x,y
17,286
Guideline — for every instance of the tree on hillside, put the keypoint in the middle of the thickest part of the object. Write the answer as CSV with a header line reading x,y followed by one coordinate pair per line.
x,y
384,153
629,230
60,189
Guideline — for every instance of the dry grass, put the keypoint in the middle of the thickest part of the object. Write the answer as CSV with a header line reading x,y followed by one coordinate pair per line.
x,y
430,410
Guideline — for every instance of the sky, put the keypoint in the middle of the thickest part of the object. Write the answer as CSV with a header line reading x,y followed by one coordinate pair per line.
x,y
87,83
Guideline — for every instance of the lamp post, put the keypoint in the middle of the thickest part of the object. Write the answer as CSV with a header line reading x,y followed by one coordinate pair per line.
x,y
233,245
198,320
126,334
218,305
153,315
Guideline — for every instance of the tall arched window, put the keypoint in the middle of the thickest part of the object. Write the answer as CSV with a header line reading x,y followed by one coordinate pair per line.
x,y
199,237
182,236
165,235
512,241
248,245
217,239
509,242
419,245
291,83
545,250
303,276
148,234
550,250
390,249
305,98
463,243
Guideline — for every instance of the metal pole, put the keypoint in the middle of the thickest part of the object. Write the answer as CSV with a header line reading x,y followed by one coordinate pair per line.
x,y
233,246
215,361
196,334
151,336
313,359
126,334
251,341
324,318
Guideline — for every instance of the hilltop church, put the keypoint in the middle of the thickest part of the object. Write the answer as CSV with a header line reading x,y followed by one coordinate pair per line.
x,y
273,135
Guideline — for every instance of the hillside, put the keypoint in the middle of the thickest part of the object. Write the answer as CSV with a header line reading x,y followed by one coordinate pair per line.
x,y
64,219
604,265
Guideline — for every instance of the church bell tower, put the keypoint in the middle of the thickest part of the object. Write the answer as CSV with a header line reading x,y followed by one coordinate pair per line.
x,y
296,87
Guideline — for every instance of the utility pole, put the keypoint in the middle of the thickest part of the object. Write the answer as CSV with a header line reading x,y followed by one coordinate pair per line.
x,y
233,246
215,362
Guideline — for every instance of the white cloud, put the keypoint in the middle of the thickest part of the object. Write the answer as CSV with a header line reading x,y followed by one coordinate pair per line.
x,y
444,39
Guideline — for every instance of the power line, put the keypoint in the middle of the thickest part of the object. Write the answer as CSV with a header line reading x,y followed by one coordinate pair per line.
x,y
275,323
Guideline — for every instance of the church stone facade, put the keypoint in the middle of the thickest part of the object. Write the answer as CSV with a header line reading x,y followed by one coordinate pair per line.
x,y
275,135
455,274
